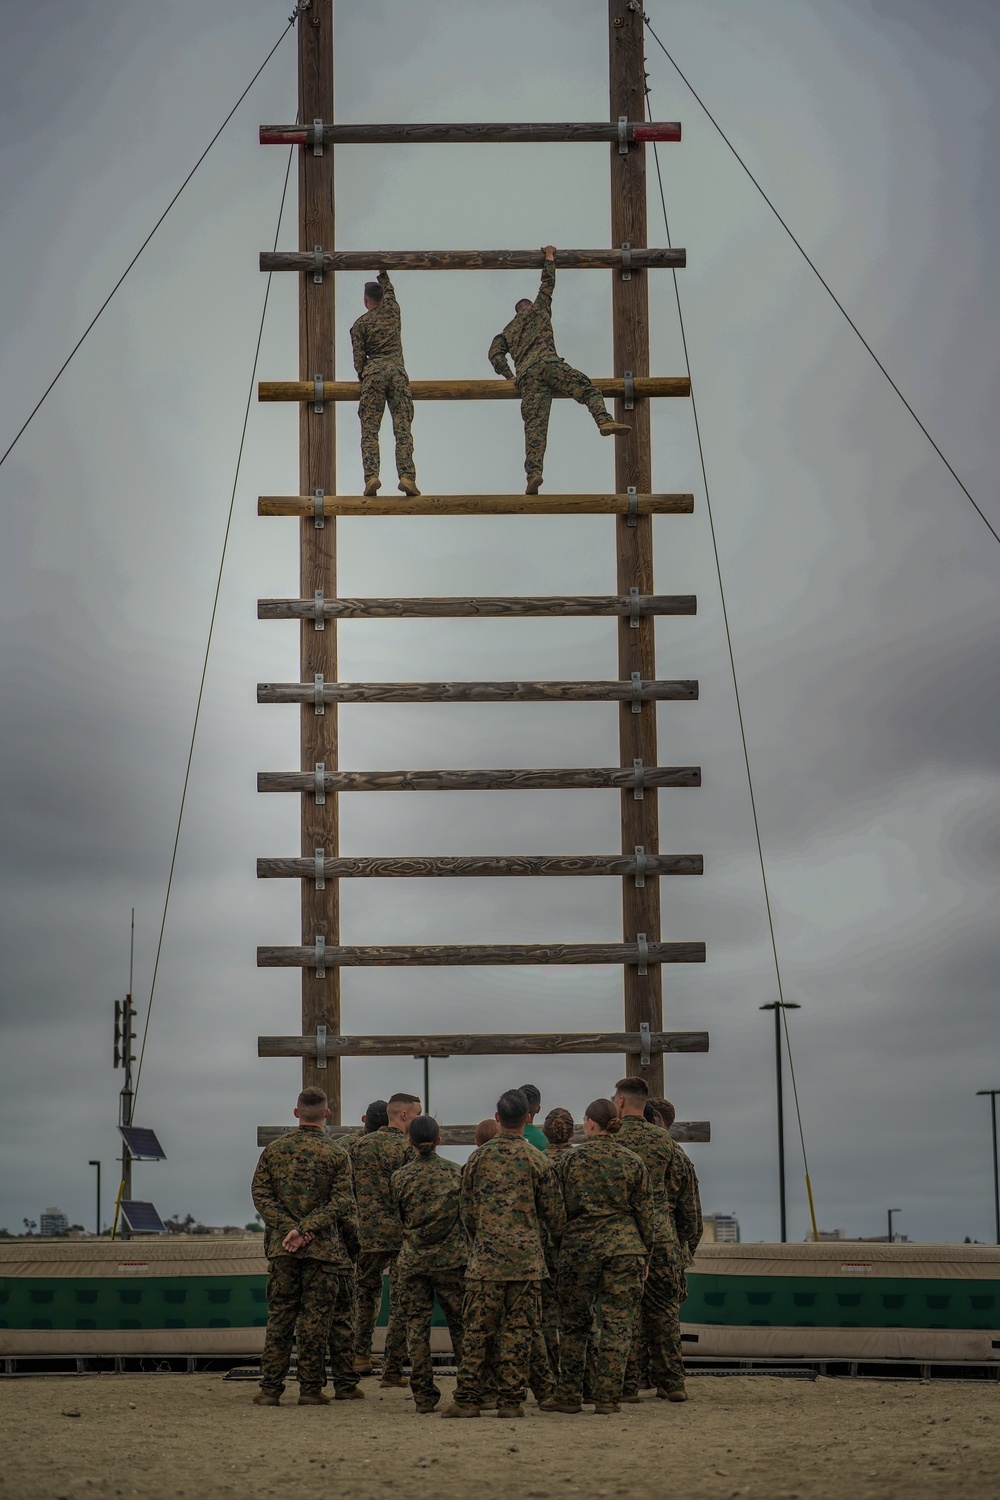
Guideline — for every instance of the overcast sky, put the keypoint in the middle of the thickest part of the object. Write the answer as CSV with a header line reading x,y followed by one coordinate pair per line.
x,y
862,588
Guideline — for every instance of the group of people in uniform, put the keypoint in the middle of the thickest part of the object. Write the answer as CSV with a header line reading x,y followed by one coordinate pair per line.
x,y
528,340
559,1268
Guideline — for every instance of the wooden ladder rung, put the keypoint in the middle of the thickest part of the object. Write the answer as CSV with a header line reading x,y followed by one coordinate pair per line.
x,y
546,779
477,133
493,607
685,1132
460,1044
394,867
475,692
392,504
432,955
464,390
469,260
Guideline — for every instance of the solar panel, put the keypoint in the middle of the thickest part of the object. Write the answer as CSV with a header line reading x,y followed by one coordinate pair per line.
x,y
142,1218
142,1144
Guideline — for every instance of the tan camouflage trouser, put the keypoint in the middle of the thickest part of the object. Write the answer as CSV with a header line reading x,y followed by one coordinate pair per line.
x,y
300,1300
614,1286
342,1370
658,1325
417,1291
548,378
504,1313
368,1297
383,384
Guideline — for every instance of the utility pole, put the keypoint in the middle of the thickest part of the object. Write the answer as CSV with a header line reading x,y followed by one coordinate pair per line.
x,y
778,1006
996,1169
98,1166
890,1240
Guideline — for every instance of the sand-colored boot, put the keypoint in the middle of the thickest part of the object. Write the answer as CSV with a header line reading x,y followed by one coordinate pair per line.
x,y
459,1409
267,1398
533,485
314,1398
407,486
372,485
671,1393
613,429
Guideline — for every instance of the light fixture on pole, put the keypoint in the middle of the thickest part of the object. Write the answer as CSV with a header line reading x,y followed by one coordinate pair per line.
x,y
890,1213
98,1166
778,1006
996,1172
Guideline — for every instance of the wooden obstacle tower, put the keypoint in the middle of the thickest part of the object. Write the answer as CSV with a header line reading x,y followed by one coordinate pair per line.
x,y
320,953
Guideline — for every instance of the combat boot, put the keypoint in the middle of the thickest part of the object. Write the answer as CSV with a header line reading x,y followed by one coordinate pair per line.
x,y
671,1393
533,485
633,1400
407,486
394,1380
426,1404
351,1394
314,1398
460,1409
605,1408
364,1366
373,484
612,428
267,1398
568,1408
510,1411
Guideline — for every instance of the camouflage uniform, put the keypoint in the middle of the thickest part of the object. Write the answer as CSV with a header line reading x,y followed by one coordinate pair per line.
x,y
303,1181
509,1192
432,1260
609,1234
658,1324
376,1157
540,372
558,1157
377,342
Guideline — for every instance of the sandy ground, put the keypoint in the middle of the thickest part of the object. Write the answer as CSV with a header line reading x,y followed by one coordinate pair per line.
x,y
195,1436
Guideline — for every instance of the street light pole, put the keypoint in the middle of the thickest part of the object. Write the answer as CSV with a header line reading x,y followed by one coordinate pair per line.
x,y
890,1213
996,1170
778,1006
98,1166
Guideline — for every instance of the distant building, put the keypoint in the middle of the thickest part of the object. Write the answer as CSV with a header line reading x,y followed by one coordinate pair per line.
x,y
52,1221
722,1229
830,1234
857,1239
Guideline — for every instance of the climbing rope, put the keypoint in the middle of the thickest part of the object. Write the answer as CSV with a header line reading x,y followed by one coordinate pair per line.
x,y
93,322
736,685
636,6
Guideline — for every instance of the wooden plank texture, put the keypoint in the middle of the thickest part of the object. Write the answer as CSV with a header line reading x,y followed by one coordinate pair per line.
x,y
575,778
394,504
685,1132
467,260
416,867
464,390
478,692
473,132
496,607
434,955
461,1044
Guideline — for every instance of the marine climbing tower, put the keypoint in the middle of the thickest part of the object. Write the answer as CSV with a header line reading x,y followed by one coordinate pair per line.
x,y
319,782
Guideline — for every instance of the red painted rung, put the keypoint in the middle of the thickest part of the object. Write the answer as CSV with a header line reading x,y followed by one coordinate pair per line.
x,y
671,132
282,136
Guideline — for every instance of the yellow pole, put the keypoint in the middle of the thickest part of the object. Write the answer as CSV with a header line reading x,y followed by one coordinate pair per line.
x,y
118,1204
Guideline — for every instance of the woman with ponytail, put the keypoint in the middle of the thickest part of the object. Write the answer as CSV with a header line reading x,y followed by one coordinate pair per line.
x,y
602,1260
435,1249
558,1131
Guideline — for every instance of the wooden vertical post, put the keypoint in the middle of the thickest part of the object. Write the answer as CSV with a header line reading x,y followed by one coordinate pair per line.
x,y
318,546
630,314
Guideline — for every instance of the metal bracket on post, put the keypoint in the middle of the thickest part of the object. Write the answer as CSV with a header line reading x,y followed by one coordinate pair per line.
x,y
321,958
640,779
623,135
318,703
640,866
626,261
319,520
640,938
633,506
317,394
318,264
317,137
629,391
319,783
636,690
321,1046
644,1041
633,599
319,869
319,619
